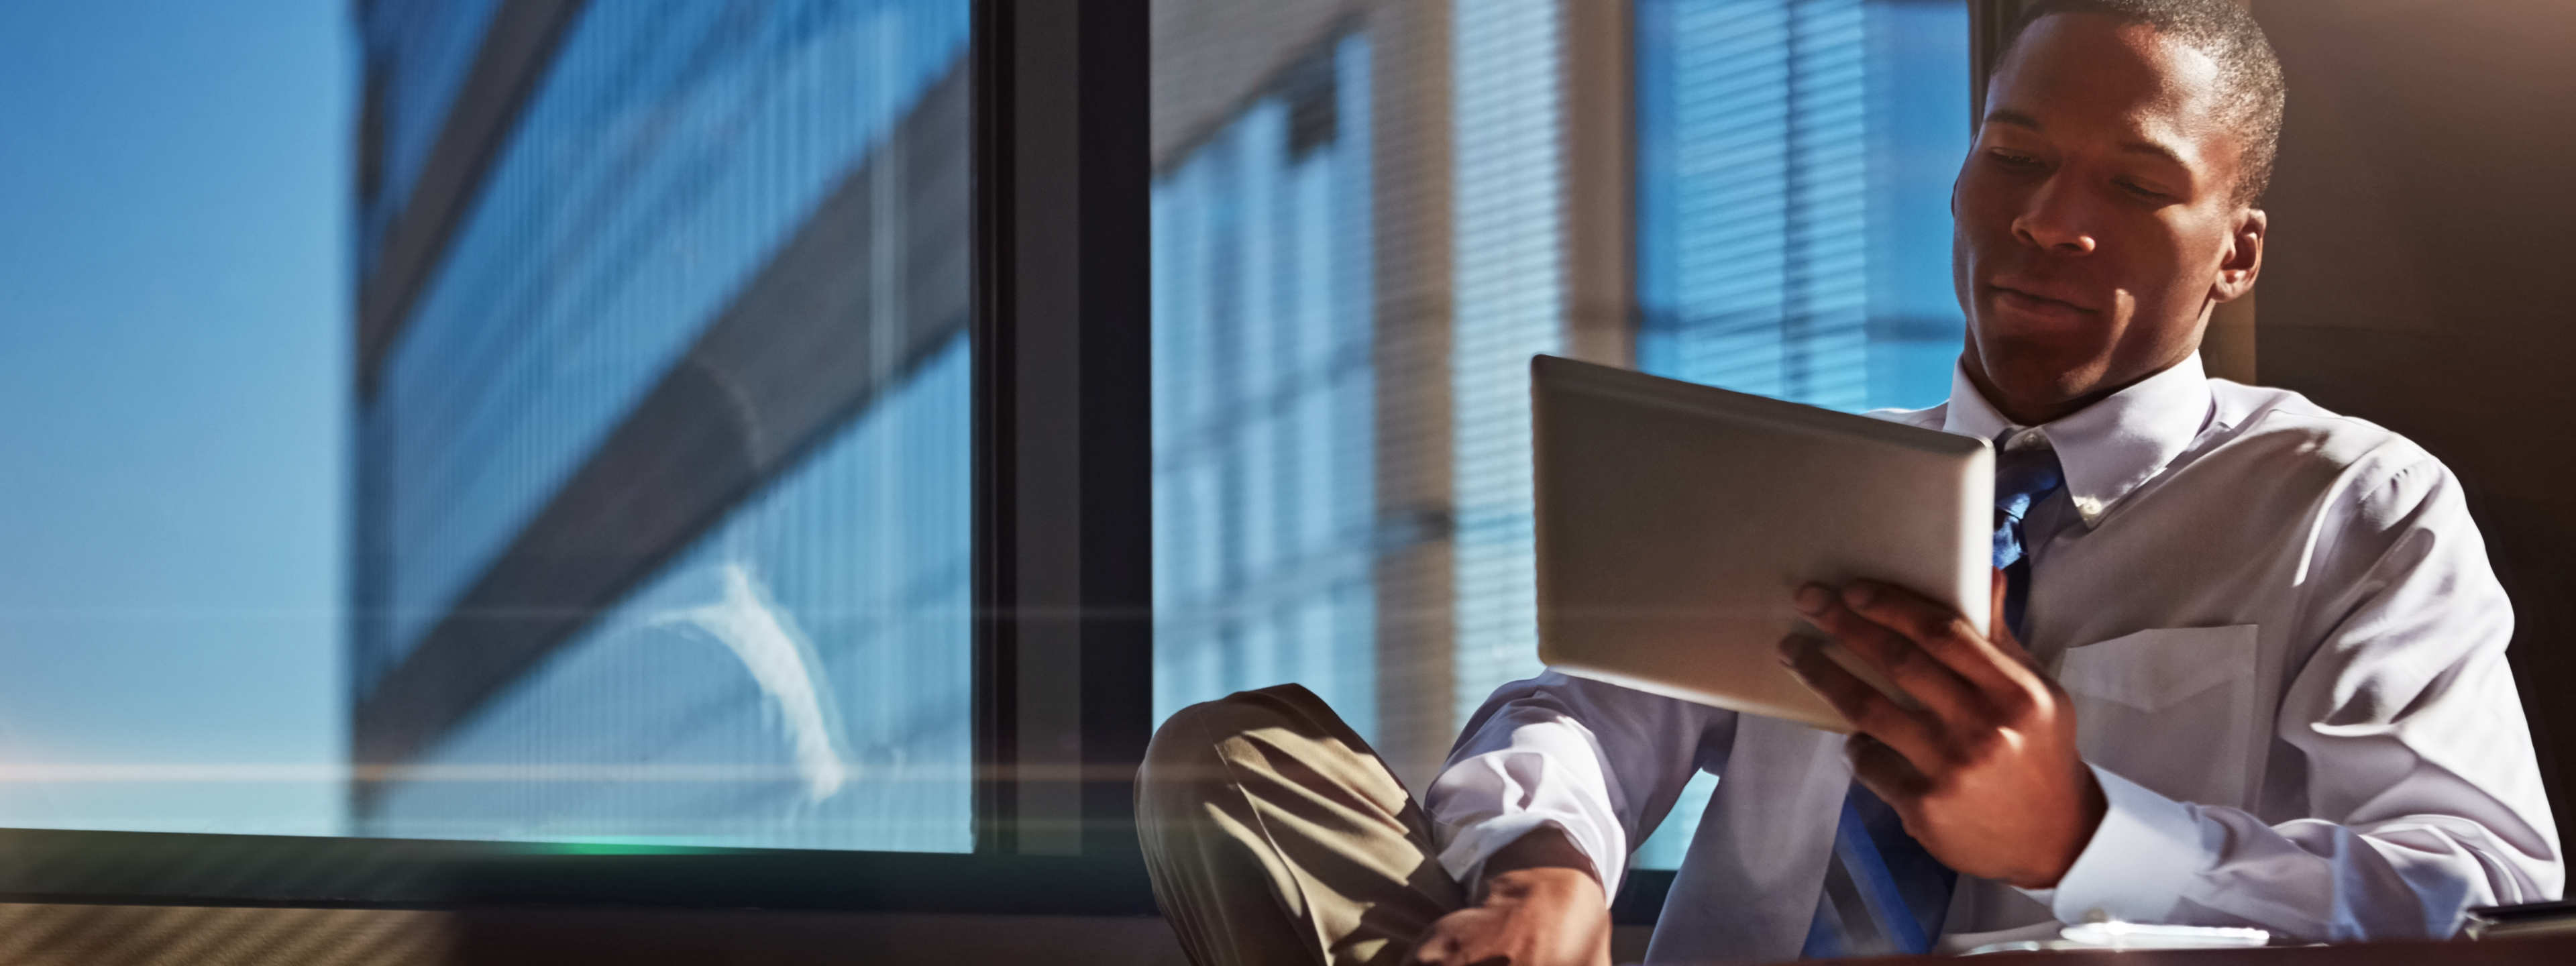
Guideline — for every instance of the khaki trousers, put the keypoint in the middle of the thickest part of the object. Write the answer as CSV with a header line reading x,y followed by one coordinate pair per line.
x,y
1274,835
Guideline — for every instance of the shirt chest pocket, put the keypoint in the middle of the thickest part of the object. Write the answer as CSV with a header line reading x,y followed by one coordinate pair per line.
x,y
2171,709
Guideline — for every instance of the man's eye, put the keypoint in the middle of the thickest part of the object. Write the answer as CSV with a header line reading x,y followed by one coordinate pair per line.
x,y
2011,160
2144,192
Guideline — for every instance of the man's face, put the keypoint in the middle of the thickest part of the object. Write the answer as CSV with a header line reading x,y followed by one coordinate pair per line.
x,y
2096,215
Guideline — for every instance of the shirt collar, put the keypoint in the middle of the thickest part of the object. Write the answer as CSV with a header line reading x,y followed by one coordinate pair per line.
x,y
2106,449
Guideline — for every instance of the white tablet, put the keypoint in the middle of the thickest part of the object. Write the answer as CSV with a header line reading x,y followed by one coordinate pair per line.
x,y
1676,520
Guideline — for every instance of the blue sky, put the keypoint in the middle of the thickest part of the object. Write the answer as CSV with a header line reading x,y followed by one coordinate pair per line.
x,y
173,346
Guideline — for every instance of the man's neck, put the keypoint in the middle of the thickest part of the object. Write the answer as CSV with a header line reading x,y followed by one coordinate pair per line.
x,y
2027,412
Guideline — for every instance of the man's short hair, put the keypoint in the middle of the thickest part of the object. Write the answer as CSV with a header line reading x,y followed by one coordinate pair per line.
x,y
2251,92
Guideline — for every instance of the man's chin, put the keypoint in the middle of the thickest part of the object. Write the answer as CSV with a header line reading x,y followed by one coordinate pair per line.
x,y
2040,388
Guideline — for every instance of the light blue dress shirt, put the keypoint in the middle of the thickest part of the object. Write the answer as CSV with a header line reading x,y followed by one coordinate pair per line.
x,y
2285,650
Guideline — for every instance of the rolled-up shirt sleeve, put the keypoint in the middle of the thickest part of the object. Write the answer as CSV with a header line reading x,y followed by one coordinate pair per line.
x,y
1601,762
2416,763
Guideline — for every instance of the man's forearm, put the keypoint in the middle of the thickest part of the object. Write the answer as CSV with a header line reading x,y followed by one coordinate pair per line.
x,y
2397,876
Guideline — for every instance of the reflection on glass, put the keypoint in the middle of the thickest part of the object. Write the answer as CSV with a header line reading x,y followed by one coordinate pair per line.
x,y
798,678
1793,190
418,52
670,150
1263,386
1344,311
669,461
1510,283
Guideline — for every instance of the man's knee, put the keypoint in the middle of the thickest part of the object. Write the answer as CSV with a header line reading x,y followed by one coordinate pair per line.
x,y
1186,750
1206,763
1262,814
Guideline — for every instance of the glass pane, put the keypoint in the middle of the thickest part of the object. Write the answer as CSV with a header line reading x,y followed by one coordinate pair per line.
x,y
1356,248
1793,186
1366,219
418,53
1263,393
489,420
468,419
692,373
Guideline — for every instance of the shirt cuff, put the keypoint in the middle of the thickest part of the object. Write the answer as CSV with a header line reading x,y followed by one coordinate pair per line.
x,y
1469,846
2146,853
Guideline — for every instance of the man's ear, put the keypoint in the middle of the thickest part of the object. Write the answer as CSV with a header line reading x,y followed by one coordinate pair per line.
x,y
2244,257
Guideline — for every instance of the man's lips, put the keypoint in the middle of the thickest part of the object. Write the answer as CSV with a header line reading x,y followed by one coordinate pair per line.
x,y
2033,298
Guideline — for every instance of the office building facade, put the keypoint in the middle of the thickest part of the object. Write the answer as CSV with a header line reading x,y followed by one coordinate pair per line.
x,y
663,439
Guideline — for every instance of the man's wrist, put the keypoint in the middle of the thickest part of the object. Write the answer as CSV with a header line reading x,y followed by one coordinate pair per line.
x,y
2094,806
1553,894
2143,857
1538,858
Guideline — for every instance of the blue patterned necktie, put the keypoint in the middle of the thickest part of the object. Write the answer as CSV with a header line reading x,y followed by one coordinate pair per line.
x,y
1884,895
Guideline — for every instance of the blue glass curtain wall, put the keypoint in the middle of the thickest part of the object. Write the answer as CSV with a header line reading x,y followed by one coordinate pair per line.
x,y
799,678
418,53
799,673
671,147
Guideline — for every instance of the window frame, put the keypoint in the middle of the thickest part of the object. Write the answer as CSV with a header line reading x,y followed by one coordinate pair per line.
x,y
1063,649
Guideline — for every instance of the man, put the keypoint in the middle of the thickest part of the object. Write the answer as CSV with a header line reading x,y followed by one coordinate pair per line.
x,y
2248,665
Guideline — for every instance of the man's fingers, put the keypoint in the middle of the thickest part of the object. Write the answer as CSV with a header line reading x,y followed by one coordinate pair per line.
x,y
1938,630
2001,630
1445,943
1931,682
1860,704
1884,771
2001,587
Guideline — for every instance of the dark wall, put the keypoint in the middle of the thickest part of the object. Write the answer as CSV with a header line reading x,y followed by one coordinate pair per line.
x,y
2424,222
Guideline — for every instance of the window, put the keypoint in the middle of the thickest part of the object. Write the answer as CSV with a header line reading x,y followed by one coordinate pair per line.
x,y
733,460
666,507
679,490
796,678
1367,219
1794,177
1264,389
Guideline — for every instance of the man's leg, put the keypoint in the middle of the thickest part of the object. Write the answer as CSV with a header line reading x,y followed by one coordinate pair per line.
x,y
1275,836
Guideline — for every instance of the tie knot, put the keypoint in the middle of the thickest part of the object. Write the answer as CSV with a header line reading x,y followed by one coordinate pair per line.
x,y
2023,477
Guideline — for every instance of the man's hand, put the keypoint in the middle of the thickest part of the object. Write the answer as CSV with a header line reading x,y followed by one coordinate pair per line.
x,y
1543,906
1986,775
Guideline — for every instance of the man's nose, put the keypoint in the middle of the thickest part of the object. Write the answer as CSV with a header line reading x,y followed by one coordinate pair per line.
x,y
2054,221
